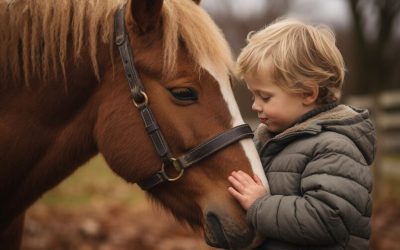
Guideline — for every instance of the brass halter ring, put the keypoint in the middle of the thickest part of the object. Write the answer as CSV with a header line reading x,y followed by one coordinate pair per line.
x,y
145,101
177,167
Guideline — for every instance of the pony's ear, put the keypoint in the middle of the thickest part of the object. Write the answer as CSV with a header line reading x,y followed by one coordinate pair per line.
x,y
145,13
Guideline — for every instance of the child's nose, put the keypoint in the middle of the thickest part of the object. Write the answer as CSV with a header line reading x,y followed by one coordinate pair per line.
x,y
255,106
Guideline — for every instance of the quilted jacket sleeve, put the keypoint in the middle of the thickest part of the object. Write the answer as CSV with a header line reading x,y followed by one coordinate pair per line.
x,y
334,201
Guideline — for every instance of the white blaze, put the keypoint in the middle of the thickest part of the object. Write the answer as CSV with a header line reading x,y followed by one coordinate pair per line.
x,y
247,144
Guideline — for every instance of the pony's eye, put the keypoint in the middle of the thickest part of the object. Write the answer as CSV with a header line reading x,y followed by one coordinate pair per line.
x,y
183,94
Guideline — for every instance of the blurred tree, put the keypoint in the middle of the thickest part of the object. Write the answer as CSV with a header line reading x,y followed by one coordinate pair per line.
x,y
236,26
377,47
377,59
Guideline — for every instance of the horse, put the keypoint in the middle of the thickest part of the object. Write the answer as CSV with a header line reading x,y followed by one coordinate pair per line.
x,y
66,95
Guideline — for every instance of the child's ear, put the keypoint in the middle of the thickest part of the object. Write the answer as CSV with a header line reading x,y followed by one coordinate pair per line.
x,y
311,96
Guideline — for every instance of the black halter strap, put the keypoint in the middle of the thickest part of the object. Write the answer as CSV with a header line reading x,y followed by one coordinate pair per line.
x,y
140,100
139,97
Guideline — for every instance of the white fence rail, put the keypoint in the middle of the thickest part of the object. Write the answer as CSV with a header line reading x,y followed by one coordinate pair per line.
x,y
385,111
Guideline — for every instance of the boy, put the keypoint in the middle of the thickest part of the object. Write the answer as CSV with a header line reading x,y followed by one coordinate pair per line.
x,y
316,153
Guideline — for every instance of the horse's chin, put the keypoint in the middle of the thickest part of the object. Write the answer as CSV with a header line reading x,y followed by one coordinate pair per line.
x,y
223,234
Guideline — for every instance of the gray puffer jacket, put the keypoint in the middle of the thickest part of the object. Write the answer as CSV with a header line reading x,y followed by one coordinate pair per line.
x,y
320,181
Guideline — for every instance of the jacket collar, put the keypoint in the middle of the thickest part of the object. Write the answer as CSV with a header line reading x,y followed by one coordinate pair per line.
x,y
310,123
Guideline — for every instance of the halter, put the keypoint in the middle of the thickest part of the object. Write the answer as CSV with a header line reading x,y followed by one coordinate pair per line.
x,y
140,100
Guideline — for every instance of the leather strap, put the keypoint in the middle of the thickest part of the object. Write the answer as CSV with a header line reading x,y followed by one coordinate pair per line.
x,y
202,151
215,144
122,41
137,89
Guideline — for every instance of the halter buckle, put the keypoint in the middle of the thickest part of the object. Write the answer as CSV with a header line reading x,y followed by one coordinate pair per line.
x,y
143,103
178,167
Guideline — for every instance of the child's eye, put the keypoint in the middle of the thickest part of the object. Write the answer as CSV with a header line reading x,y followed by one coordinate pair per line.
x,y
265,98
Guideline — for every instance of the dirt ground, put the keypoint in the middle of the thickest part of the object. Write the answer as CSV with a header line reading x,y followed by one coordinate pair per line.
x,y
107,228
386,227
94,210
142,227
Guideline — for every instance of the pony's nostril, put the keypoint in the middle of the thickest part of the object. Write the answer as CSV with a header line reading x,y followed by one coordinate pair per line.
x,y
215,235
222,232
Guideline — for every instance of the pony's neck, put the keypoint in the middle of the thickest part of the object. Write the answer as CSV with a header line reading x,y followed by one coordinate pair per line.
x,y
53,138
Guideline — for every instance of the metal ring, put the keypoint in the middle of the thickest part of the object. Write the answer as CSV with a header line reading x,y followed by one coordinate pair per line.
x,y
145,101
177,167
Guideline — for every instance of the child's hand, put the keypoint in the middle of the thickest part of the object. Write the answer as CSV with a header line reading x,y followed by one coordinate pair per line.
x,y
245,189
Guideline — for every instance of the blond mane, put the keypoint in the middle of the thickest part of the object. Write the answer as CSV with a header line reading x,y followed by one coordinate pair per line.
x,y
35,36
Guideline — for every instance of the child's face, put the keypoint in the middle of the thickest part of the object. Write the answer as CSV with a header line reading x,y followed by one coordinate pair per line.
x,y
276,108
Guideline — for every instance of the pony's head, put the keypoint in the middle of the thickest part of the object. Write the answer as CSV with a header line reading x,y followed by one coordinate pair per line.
x,y
184,64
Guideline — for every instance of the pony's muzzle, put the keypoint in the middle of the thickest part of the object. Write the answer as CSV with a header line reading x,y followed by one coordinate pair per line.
x,y
214,233
223,233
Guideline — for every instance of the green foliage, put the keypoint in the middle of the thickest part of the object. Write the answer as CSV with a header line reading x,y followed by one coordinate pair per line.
x,y
93,184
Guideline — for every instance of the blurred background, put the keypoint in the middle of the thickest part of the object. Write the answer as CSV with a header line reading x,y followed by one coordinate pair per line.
x,y
94,209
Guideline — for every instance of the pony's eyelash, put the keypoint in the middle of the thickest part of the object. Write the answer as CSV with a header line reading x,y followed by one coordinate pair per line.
x,y
184,94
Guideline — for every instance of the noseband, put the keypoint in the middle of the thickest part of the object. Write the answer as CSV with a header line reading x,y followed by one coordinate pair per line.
x,y
140,100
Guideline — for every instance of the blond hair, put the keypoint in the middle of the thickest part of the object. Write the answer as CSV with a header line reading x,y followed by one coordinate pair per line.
x,y
35,36
302,55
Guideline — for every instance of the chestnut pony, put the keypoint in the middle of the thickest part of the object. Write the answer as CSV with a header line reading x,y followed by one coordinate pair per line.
x,y
64,97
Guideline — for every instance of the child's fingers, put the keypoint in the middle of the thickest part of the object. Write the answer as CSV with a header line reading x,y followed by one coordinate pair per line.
x,y
243,177
258,180
236,183
235,194
246,176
